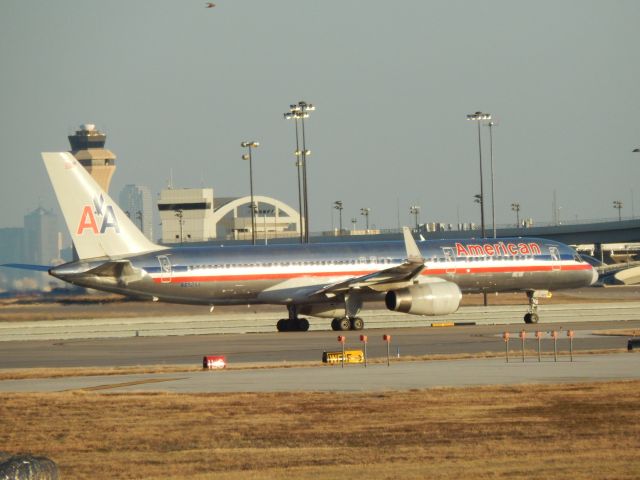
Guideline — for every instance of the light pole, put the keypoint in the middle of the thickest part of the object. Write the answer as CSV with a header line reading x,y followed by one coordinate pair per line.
x,y
248,156
477,198
492,124
289,115
415,210
301,111
618,204
365,212
180,216
479,117
633,195
516,208
354,220
338,206
298,166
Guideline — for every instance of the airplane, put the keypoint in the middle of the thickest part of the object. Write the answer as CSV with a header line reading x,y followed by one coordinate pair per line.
x,y
328,280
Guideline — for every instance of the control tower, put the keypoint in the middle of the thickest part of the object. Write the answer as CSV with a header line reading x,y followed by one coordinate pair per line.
x,y
87,145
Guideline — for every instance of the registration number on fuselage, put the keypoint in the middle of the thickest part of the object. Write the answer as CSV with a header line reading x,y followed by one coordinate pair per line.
x,y
189,284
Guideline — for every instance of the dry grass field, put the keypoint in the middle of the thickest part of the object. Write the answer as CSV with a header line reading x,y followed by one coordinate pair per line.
x,y
580,431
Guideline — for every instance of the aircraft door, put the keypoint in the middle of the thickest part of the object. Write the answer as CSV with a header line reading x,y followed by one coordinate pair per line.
x,y
165,269
449,259
555,258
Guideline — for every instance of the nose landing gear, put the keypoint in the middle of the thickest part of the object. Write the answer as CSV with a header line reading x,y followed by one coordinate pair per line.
x,y
532,315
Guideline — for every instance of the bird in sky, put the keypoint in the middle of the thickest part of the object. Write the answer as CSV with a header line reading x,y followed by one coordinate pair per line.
x,y
210,5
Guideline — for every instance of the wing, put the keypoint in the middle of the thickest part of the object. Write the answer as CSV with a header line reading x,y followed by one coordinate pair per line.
x,y
405,272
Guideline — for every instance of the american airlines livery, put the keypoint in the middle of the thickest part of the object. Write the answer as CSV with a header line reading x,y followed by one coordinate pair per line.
x,y
330,280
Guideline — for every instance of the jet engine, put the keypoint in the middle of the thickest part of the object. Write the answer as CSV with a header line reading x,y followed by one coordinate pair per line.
x,y
436,298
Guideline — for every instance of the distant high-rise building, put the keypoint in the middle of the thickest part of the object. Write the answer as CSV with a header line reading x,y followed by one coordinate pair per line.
x,y
11,251
135,201
41,237
87,145
11,245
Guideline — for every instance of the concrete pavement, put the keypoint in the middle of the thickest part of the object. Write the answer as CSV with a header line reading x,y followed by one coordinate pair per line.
x,y
354,378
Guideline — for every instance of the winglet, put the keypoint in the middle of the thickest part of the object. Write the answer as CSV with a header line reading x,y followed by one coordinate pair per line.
x,y
413,252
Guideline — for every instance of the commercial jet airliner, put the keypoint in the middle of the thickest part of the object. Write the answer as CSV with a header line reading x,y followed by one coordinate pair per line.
x,y
330,280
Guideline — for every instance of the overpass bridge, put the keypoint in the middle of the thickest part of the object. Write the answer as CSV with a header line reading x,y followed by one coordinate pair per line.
x,y
624,231
597,233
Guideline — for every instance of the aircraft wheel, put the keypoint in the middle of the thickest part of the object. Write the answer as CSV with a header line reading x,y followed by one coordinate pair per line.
x,y
344,324
282,325
357,323
534,318
335,324
303,325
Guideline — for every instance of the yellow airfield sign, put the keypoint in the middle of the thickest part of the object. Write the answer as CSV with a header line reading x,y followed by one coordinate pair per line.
x,y
350,356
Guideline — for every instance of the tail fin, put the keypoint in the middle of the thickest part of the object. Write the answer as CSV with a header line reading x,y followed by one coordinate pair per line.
x,y
97,225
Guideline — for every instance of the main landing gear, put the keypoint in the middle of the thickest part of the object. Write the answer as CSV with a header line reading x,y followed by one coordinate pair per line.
x,y
345,323
532,315
293,323
350,321
352,305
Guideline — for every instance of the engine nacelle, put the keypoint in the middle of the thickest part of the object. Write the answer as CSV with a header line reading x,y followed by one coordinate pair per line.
x,y
437,298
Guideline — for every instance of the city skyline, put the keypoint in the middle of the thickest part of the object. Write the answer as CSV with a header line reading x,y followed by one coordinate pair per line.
x,y
136,201
181,86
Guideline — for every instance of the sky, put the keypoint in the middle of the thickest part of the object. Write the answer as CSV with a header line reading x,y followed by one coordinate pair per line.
x,y
177,87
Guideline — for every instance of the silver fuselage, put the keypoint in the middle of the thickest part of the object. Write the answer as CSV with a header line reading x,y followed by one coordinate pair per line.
x,y
284,274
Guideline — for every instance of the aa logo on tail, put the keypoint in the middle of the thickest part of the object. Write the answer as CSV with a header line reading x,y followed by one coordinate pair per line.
x,y
90,214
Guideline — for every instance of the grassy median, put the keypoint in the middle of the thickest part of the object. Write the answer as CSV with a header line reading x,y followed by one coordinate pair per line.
x,y
577,431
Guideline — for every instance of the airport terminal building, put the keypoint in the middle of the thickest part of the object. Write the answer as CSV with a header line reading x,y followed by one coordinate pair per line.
x,y
194,215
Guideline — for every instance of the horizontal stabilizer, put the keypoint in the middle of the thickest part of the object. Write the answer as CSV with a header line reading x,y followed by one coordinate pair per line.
x,y
24,266
111,272
115,269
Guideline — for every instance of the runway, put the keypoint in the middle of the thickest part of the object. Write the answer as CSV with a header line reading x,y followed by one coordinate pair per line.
x,y
294,346
354,378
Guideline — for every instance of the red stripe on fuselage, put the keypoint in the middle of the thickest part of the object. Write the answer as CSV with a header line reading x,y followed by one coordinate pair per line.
x,y
458,270
263,276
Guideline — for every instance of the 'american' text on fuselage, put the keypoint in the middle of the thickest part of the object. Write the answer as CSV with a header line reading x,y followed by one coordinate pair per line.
x,y
497,249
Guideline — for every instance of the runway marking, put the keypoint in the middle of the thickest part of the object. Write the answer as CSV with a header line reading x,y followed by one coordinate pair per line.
x,y
124,384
